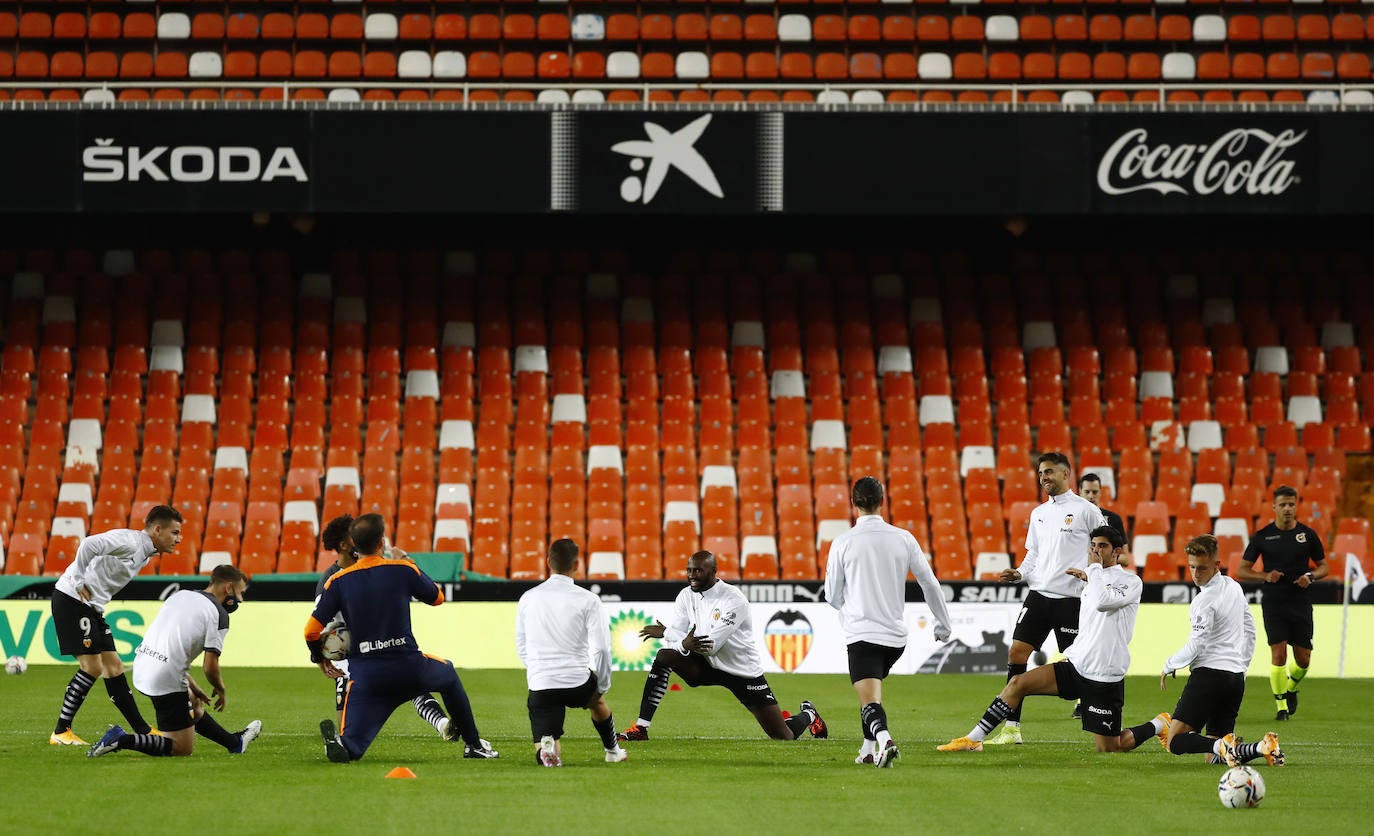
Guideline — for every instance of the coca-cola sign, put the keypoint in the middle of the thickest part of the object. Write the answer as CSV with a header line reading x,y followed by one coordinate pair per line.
x,y
1241,161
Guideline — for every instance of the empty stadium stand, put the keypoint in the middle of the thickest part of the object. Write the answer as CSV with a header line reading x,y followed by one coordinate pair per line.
x,y
486,402
386,51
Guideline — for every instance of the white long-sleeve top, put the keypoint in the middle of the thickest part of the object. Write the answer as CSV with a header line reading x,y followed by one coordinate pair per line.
x,y
560,634
1106,621
1058,539
1223,632
190,623
105,563
722,615
865,579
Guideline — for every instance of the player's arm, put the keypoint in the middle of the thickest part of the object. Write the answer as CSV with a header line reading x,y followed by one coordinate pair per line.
x,y
1112,596
424,589
599,641
520,641
1203,620
1028,562
730,620
1246,570
930,587
834,576
675,631
212,675
325,606
1316,553
93,550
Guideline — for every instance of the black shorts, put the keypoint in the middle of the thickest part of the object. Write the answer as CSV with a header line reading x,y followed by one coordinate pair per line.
x,y
1102,701
174,711
1041,614
549,707
1287,619
1211,700
81,629
753,693
872,661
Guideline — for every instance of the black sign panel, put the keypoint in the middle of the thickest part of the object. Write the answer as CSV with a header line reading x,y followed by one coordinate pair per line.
x,y
1219,163
35,153
439,161
676,162
211,160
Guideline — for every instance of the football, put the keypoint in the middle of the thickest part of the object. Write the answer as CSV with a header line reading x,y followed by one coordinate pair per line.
x,y
1241,786
336,641
16,665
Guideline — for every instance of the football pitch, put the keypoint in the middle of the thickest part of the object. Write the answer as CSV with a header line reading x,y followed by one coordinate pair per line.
x,y
708,768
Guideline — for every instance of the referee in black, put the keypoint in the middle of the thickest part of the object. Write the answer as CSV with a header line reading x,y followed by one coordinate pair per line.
x,y
1287,548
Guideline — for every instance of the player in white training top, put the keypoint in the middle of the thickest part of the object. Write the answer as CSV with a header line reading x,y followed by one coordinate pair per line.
x,y
1095,666
104,565
1220,646
564,642
865,579
1056,542
710,641
190,623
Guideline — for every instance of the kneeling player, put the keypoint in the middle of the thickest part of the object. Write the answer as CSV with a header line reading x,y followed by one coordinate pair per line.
x,y
711,642
188,624
1095,665
1218,652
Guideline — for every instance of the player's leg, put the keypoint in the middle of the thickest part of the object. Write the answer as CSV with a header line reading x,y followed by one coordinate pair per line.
x,y
1046,679
175,715
1103,704
1033,624
117,686
431,712
1300,638
74,638
869,665
367,707
547,714
438,675
1197,708
757,696
604,724
690,667
1065,632
1276,630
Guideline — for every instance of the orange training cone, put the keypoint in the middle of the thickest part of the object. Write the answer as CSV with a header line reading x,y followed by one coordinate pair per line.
x,y
400,772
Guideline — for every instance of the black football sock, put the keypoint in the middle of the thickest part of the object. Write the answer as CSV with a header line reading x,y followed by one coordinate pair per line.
x,y
429,710
460,712
1191,743
210,728
149,744
875,719
1248,752
863,728
123,698
654,689
1142,732
1015,670
998,711
75,695
606,730
798,723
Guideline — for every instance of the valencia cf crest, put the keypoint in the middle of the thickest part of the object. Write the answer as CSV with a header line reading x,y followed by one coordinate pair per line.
x,y
85,642
1068,519
1301,537
788,635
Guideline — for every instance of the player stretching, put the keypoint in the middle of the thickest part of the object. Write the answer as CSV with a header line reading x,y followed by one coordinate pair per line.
x,y
190,623
104,564
710,641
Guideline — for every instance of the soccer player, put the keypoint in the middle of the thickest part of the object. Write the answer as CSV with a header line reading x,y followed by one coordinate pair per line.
x,y
1220,646
1056,542
335,539
1094,667
386,667
710,641
104,564
564,642
865,579
1286,546
1090,488
190,623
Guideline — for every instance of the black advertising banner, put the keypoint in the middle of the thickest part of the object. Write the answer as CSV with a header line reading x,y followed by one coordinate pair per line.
x,y
176,160
431,161
36,154
666,162
687,161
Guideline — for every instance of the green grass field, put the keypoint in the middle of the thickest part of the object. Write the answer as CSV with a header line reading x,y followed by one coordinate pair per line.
x,y
708,768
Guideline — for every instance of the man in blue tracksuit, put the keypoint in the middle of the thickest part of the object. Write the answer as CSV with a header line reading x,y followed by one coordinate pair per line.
x,y
386,666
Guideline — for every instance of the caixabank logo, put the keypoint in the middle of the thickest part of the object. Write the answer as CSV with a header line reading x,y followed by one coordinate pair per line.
x,y
668,162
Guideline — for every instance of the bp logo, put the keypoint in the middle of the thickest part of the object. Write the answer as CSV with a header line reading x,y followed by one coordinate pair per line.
x,y
628,651
788,635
